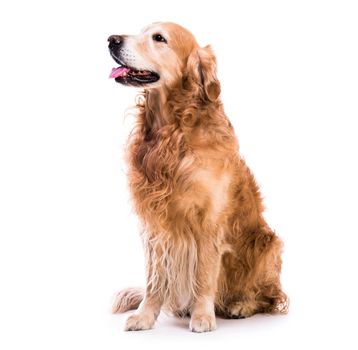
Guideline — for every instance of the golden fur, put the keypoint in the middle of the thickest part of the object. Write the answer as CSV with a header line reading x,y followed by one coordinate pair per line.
x,y
208,248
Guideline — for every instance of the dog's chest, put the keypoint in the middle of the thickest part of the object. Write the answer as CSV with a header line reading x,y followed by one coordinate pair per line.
x,y
173,182
212,188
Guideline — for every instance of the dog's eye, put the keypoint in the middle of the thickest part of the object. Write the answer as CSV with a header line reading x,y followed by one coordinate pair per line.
x,y
158,37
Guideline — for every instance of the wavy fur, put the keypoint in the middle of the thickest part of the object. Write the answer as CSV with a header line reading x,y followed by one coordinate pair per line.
x,y
204,233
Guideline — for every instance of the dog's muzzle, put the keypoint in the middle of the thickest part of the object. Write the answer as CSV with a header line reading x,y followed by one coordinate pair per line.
x,y
125,74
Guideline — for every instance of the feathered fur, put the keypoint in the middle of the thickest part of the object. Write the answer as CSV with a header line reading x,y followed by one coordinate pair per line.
x,y
203,228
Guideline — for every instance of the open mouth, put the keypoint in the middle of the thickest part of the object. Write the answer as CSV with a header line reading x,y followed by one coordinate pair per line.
x,y
132,76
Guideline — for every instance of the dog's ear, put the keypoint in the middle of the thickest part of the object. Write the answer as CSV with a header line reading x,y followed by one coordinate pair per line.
x,y
201,73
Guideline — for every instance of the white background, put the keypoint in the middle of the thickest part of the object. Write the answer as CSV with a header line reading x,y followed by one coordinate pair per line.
x,y
69,239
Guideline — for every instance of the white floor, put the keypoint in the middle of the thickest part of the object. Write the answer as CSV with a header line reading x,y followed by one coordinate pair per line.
x,y
293,331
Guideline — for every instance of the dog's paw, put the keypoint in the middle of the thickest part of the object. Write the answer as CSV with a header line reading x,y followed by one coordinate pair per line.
x,y
202,323
139,322
240,309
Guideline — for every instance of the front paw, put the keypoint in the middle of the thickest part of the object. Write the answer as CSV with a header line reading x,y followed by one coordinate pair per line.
x,y
202,323
139,322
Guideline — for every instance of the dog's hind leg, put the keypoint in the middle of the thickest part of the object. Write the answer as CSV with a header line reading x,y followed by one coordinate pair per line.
x,y
243,308
252,281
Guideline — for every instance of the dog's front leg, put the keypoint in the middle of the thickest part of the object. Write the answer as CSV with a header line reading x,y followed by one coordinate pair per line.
x,y
145,316
203,309
147,313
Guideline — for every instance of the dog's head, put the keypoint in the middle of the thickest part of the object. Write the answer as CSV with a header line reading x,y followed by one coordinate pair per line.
x,y
164,54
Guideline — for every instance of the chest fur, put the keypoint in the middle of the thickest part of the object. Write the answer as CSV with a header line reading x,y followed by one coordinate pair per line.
x,y
171,181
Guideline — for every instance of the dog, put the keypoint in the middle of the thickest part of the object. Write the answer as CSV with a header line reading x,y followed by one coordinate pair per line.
x,y
208,248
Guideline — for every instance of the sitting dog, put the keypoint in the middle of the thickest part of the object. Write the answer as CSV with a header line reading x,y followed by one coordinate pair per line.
x,y
208,248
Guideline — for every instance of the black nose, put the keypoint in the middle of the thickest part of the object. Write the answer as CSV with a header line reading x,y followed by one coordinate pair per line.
x,y
115,41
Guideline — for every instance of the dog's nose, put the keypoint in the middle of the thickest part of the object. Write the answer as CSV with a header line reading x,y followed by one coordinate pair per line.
x,y
115,41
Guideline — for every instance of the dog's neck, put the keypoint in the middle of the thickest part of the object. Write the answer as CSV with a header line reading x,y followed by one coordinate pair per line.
x,y
165,106
156,108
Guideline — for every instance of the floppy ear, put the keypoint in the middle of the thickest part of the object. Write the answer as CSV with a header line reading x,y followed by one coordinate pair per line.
x,y
201,72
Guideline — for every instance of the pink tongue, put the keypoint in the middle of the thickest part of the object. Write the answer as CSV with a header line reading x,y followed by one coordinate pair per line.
x,y
119,72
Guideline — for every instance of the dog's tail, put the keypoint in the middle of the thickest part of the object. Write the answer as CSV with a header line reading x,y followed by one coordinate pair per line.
x,y
127,299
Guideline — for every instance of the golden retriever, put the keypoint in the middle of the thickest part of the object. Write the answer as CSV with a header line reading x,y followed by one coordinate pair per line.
x,y
208,248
